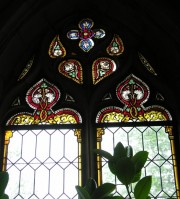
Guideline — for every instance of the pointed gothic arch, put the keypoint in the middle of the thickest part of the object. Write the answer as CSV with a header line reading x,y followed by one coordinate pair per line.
x,y
85,102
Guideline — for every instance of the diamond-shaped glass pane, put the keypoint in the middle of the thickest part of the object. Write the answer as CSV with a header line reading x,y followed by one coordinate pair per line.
x,y
49,197
20,164
18,197
33,197
49,163
35,163
64,163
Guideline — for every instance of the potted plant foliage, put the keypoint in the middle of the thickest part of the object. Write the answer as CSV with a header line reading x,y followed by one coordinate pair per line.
x,y
127,168
4,178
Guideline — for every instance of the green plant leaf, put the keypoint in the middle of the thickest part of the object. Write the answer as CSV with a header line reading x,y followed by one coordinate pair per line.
x,y
137,177
103,191
114,197
82,193
4,196
112,167
90,186
139,160
119,151
103,153
129,151
125,170
143,187
4,178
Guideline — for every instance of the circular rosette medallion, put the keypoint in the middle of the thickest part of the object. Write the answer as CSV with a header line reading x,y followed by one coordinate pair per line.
x,y
72,69
102,67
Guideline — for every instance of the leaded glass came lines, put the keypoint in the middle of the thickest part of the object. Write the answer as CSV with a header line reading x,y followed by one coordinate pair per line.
x,y
160,162
43,164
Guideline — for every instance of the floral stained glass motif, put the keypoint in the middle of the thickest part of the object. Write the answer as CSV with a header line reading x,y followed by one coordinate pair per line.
x,y
116,47
85,34
56,49
146,64
133,93
101,68
72,69
42,97
26,69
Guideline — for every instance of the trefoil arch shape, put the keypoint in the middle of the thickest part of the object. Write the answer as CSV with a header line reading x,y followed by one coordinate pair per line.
x,y
42,97
133,93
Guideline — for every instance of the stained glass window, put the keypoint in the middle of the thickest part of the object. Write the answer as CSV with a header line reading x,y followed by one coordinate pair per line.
x,y
72,69
26,69
136,125
56,48
43,163
146,64
42,157
133,93
154,139
116,47
47,148
85,34
101,68
42,97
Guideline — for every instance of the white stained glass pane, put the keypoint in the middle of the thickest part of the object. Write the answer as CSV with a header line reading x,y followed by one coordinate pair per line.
x,y
105,139
12,188
41,182
43,146
71,150
56,181
57,139
135,139
14,148
168,180
107,176
165,149
150,142
42,164
69,186
28,146
152,139
26,186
